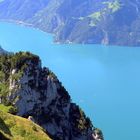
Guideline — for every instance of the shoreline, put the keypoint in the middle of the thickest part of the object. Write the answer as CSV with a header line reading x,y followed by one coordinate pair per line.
x,y
67,42
25,24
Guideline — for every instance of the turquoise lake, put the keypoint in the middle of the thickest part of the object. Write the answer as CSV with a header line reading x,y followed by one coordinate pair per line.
x,y
104,81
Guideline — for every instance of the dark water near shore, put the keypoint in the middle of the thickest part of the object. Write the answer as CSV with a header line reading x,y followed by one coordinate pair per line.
x,y
104,81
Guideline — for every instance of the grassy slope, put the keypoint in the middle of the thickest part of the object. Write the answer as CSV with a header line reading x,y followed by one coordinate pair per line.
x,y
4,108
17,128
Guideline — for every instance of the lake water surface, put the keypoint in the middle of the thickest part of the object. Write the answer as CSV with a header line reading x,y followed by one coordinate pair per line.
x,y
104,81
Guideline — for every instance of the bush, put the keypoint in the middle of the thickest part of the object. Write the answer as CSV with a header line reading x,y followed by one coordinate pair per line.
x,y
12,110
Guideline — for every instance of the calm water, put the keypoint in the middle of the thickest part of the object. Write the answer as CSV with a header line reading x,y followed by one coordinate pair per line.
x,y
104,81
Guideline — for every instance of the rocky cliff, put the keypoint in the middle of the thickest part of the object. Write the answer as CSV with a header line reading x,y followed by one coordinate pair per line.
x,y
36,93
114,22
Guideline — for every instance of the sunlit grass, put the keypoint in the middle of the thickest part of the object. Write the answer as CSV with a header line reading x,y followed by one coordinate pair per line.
x,y
17,128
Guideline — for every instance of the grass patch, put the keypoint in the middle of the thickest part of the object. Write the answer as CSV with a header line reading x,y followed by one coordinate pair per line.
x,y
5,108
17,128
114,6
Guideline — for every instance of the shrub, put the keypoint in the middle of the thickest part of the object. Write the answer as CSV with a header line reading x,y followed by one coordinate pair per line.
x,y
12,110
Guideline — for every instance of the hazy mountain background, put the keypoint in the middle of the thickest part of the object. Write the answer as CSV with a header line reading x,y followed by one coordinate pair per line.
x,y
114,22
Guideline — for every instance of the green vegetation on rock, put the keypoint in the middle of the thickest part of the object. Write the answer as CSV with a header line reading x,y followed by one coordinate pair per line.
x,y
9,62
96,15
95,18
114,6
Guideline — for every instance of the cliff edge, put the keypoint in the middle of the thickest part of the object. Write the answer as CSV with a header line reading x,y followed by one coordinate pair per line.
x,y
35,93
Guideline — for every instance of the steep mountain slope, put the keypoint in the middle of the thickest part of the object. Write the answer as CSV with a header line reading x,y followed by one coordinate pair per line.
x,y
20,9
82,21
35,92
91,21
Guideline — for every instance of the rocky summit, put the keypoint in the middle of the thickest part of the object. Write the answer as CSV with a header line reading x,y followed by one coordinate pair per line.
x,y
110,22
35,93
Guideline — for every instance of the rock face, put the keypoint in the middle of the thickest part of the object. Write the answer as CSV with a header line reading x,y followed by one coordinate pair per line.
x,y
82,21
37,94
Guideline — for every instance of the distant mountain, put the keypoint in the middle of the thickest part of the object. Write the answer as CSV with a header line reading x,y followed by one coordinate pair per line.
x,y
2,51
20,9
114,22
